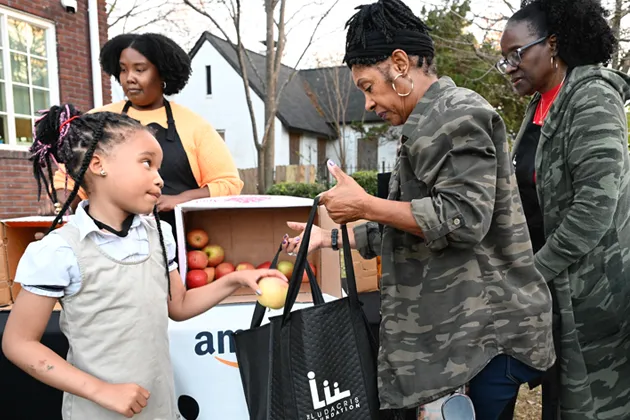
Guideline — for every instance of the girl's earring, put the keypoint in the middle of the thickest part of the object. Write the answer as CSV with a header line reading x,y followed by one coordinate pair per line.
x,y
103,173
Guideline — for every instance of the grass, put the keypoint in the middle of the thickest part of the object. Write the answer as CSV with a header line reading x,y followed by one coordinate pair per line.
x,y
529,404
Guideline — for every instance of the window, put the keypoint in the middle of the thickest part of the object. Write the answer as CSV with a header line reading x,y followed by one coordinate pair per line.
x,y
208,80
28,74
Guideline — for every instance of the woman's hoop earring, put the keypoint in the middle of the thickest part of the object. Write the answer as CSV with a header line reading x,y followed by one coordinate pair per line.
x,y
394,86
164,85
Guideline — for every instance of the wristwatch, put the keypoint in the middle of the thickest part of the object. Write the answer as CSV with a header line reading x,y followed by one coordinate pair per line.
x,y
334,239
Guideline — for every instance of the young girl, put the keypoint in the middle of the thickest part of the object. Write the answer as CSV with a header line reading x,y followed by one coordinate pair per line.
x,y
106,266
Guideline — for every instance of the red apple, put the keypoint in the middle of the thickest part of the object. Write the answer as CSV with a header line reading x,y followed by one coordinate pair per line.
x,y
210,272
223,269
264,265
196,278
215,255
197,260
197,238
305,275
245,266
286,268
274,292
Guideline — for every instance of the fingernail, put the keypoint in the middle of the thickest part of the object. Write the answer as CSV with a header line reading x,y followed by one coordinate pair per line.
x,y
258,292
284,242
286,235
297,240
330,162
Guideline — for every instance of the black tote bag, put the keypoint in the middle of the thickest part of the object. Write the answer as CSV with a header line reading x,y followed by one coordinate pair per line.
x,y
317,362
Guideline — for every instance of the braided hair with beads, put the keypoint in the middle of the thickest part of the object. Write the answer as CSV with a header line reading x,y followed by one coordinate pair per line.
x,y
63,135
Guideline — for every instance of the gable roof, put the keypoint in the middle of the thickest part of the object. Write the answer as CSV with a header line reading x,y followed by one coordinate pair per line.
x,y
325,82
303,103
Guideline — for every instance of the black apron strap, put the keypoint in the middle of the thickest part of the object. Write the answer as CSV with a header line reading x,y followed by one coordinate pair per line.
x,y
171,131
126,108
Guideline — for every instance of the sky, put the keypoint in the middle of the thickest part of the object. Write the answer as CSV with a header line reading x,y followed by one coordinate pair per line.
x,y
186,26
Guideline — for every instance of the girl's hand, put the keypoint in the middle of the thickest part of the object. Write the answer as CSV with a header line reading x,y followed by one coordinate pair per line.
x,y
125,399
250,278
319,239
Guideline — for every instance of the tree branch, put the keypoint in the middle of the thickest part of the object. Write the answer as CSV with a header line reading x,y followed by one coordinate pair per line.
x,y
290,78
239,48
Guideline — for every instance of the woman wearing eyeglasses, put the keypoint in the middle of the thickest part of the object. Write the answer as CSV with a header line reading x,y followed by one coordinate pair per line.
x,y
572,167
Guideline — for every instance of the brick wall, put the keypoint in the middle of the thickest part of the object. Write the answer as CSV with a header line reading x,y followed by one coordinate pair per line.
x,y
18,196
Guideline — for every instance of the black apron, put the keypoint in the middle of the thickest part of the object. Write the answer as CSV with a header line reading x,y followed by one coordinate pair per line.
x,y
175,171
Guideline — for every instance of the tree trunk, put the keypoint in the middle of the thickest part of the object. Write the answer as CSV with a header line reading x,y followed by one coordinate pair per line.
x,y
269,158
266,174
261,172
616,27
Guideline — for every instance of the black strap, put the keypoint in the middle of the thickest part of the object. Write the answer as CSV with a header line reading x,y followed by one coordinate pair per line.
x,y
353,293
171,131
126,225
126,108
301,264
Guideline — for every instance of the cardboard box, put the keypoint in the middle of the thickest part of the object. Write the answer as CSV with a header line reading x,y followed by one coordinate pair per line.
x,y
15,235
250,229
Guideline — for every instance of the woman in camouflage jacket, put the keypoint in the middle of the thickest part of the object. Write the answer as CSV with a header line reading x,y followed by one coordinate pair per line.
x,y
461,300
572,165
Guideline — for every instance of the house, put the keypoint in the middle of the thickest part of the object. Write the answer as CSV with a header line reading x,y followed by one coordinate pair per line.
x,y
315,113
47,55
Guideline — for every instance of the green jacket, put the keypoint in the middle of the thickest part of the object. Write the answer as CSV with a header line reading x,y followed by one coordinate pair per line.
x,y
583,184
469,291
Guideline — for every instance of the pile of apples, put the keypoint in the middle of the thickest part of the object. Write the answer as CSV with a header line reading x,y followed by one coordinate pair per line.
x,y
206,262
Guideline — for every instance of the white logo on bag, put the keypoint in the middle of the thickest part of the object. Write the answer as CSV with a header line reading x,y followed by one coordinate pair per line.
x,y
334,403
329,399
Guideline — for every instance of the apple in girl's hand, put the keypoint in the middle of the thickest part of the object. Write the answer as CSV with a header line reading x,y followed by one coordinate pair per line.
x,y
274,292
286,268
223,269
210,272
197,238
215,254
245,266
264,265
197,260
196,278
305,275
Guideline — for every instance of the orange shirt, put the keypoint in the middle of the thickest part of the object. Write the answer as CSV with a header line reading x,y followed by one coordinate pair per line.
x,y
209,157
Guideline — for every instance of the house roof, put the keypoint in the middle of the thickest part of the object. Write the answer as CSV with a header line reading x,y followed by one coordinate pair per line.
x,y
304,103
324,82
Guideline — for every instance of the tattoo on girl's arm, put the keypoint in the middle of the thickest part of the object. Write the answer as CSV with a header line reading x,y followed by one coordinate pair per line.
x,y
43,366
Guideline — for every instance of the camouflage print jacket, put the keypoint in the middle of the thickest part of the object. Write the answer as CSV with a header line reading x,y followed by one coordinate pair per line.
x,y
469,291
583,183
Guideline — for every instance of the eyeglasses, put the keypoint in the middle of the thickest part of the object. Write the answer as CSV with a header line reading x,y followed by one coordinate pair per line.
x,y
515,57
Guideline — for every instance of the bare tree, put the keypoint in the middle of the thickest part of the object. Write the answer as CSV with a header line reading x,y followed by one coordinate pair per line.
x,y
133,16
621,56
331,98
275,41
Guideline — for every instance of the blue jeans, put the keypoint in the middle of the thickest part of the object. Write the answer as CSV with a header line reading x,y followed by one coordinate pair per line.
x,y
497,384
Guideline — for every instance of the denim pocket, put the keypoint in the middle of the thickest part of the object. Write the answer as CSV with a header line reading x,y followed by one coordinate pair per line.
x,y
519,372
